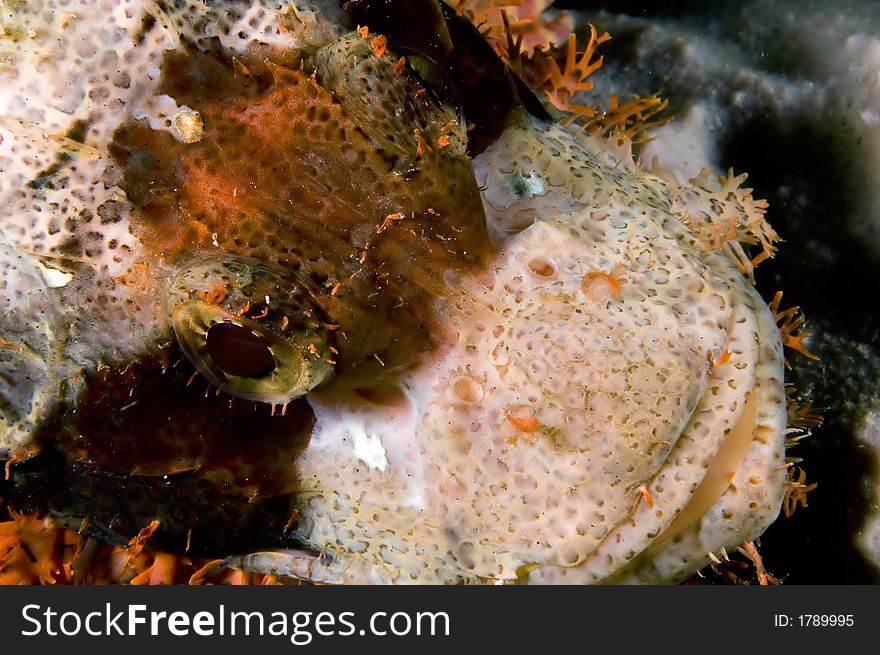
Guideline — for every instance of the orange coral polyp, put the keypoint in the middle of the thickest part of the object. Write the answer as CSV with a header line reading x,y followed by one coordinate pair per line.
x,y
791,327
562,85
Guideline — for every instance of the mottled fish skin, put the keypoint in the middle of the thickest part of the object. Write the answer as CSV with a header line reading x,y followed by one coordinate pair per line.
x,y
370,214
263,285
315,211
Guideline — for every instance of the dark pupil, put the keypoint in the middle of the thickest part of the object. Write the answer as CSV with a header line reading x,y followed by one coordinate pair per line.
x,y
238,351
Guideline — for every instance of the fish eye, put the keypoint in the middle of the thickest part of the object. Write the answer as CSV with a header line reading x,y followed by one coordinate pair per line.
x,y
254,330
238,351
430,73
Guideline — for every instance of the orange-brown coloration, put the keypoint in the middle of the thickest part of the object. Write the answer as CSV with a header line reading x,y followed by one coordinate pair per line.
x,y
34,550
21,455
647,496
137,543
242,129
791,323
560,86
379,43
597,284
522,418
803,415
28,551
523,22
735,220
163,571
422,147
723,358
630,122
215,296
796,490
8,345
717,233
386,223
734,570
531,43
194,458
764,578
283,174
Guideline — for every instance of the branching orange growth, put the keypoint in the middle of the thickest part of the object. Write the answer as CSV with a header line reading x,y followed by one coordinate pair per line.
x,y
804,415
735,571
750,550
791,323
796,490
30,551
560,85
724,216
504,22
802,418
542,50
630,122
527,32
389,220
35,551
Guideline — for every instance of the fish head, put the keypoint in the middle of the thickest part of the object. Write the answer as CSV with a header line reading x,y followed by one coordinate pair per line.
x,y
264,286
